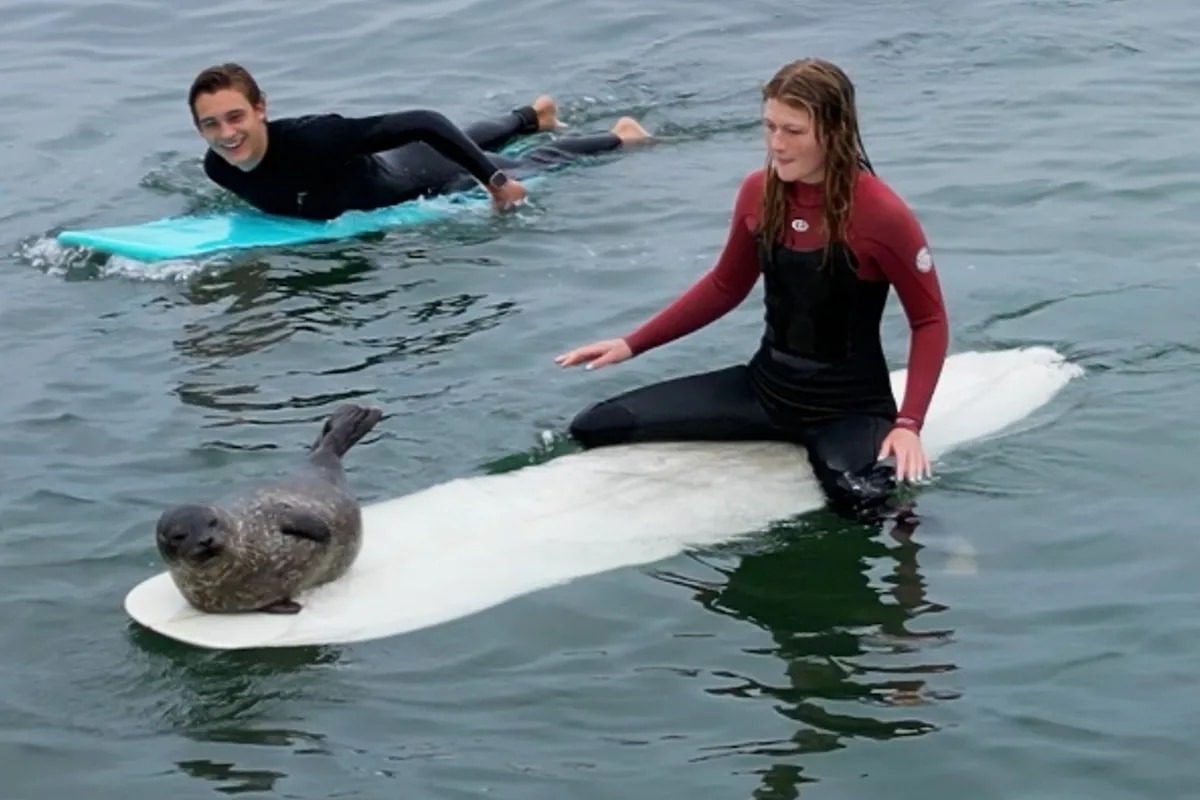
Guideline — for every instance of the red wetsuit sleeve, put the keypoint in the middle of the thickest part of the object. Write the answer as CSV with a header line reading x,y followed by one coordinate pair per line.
x,y
903,255
719,290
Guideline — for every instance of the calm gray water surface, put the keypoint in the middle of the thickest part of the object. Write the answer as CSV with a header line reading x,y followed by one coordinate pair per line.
x,y
1049,148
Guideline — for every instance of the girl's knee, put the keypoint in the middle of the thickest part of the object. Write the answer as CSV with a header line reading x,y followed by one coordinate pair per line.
x,y
604,423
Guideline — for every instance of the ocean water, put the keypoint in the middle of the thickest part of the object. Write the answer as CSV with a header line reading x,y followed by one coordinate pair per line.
x,y
1048,148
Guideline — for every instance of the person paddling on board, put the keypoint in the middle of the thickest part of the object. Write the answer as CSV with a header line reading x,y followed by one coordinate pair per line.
x,y
319,166
829,238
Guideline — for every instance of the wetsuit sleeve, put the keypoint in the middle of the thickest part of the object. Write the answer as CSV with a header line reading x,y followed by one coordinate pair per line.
x,y
718,291
904,257
353,136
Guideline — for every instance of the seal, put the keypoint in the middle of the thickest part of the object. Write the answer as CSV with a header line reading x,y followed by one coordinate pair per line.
x,y
265,546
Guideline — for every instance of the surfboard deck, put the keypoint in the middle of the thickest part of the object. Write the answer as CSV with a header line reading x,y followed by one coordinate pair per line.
x,y
461,547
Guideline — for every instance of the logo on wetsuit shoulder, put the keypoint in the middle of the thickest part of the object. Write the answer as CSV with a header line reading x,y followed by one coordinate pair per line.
x,y
924,260
799,225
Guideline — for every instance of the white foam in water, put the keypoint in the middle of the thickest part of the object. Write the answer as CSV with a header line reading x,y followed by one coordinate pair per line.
x,y
47,254
171,270
470,544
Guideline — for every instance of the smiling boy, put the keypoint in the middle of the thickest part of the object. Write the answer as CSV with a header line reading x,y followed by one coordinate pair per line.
x,y
319,166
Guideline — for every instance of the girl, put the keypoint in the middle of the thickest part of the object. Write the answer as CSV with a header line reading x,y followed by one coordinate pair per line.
x,y
829,238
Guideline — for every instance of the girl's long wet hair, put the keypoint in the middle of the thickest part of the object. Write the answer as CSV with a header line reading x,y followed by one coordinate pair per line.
x,y
827,93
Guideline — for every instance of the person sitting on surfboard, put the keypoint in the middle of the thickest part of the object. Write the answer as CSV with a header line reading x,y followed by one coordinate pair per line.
x,y
829,238
320,166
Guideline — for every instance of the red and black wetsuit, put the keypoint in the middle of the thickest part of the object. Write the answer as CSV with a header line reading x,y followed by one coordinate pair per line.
x,y
820,376
320,166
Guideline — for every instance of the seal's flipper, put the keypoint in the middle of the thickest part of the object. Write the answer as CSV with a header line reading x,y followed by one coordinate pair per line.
x,y
282,607
304,525
344,428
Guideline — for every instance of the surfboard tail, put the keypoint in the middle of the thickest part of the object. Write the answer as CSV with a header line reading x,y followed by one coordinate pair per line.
x,y
345,427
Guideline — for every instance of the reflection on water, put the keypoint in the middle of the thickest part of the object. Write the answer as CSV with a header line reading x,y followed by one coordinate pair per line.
x,y
240,336
232,779
218,397
345,315
853,662
258,283
435,341
229,777
208,687
228,698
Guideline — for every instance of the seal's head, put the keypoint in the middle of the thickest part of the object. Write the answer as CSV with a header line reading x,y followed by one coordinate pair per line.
x,y
192,534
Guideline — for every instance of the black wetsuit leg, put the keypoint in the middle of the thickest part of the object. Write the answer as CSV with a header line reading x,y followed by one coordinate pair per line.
x,y
543,158
496,133
566,150
418,169
714,406
843,448
724,405
844,454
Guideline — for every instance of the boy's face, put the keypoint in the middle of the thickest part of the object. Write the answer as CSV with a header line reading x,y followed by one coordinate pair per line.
x,y
233,128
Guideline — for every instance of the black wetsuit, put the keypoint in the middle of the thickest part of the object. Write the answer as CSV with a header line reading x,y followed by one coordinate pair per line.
x,y
320,166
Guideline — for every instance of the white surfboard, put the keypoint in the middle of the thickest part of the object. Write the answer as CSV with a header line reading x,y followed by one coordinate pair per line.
x,y
470,544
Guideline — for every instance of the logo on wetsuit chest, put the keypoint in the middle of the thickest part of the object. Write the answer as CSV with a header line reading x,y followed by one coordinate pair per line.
x,y
799,225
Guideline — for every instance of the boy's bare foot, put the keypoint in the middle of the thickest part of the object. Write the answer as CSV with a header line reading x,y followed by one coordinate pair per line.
x,y
546,108
630,131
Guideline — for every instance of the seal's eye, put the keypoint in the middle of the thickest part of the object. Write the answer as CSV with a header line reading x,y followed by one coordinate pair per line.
x,y
212,522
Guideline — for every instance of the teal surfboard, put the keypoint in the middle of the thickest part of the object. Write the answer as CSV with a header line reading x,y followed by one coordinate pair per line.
x,y
192,235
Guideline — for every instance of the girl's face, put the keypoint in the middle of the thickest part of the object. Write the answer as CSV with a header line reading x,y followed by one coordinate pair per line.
x,y
791,139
